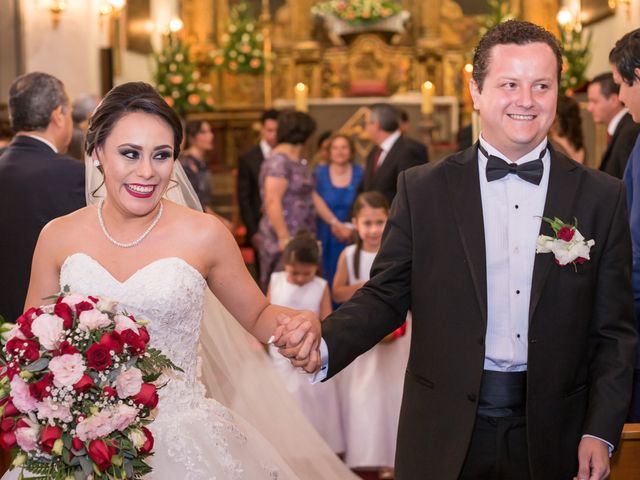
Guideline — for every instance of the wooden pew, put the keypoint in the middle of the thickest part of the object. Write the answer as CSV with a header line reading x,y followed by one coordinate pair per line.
x,y
625,463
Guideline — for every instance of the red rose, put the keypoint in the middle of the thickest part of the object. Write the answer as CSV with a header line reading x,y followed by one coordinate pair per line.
x,y
77,444
98,357
148,444
8,424
110,391
26,319
49,436
7,440
94,299
9,408
580,260
65,348
100,454
83,307
64,312
31,348
566,233
111,341
148,396
134,341
38,389
85,383
144,334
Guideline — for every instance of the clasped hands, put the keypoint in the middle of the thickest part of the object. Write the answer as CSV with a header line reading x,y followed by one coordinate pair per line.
x,y
298,339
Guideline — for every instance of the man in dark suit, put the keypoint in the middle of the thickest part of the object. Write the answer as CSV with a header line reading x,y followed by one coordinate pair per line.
x,y
606,108
37,182
249,165
519,367
405,126
392,153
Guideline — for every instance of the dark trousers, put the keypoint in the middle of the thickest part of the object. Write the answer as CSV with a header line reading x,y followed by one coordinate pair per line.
x,y
498,448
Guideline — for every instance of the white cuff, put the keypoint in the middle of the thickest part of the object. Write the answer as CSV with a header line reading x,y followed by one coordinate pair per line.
x,y
324,362
598,438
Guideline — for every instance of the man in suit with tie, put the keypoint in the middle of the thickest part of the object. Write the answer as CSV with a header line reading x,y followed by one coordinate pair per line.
x,y
521,362
249,165
37,182
606,108
392,152
625,63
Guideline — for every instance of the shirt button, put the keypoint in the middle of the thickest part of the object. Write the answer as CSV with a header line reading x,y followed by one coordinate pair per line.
x,y
472,397
518,292
517,335
517,207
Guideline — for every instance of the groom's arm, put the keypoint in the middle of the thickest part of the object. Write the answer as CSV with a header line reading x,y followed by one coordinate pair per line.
x,y
381,305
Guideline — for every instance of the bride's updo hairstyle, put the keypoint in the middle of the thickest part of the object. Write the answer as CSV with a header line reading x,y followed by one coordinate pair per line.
x,y
128,98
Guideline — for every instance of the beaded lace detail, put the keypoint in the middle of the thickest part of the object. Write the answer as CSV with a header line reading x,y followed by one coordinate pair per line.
x,y
198,433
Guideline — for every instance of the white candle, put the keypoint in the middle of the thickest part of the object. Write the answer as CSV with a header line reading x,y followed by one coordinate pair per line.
x,y
428,89
301,96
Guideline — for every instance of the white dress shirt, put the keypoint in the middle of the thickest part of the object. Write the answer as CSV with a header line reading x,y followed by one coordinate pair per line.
x,y
46,142
512,214
265,147
615,121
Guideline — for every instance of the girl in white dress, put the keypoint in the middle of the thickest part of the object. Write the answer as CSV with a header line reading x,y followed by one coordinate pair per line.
x,y
299,287
370,389
164,262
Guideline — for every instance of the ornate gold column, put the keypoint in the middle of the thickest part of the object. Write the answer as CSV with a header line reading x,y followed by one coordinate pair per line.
x,y
301,21
197,16
543,13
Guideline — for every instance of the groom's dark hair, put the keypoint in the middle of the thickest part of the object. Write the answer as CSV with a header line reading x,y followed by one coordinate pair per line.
x,y
128,98
515,32
626,56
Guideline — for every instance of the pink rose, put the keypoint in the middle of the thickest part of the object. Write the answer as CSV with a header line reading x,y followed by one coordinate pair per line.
x,y
92,320
73,299
22,398
15,332
67,369
129,383
48,328
50,410
96,426
124,323
123,416
27,436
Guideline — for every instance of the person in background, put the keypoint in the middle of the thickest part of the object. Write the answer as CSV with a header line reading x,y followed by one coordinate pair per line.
x,y
248,188
83,108
370,389
625,63
337,184
392,153
299,287
288,193
321,157
566,130
37,181
405,126
6,132
606,108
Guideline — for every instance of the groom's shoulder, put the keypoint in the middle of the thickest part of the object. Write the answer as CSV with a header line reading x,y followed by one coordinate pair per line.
x,y
435,170
594,180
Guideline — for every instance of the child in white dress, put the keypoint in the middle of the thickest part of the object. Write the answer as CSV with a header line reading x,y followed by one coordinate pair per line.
x,y
370,389
298,286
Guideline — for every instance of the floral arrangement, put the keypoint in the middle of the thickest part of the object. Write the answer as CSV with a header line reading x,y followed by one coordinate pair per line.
x,y
576,56
499,11
178,79
357,11
242,44
568,246
77,391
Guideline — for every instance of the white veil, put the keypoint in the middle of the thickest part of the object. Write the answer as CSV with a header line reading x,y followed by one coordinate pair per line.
x,y
238,373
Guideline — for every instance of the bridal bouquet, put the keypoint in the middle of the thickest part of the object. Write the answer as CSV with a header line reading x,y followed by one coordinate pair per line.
x,y
77,390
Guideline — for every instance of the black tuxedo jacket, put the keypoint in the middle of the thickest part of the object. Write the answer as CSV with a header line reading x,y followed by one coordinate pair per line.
x,y
615,157
581,330
36,186
402,155
249,199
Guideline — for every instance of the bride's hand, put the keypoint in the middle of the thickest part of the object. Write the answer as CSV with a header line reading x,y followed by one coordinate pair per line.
x,y
298,339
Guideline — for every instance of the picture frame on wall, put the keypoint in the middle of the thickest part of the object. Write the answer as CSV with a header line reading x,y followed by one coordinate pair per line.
x,y
593,11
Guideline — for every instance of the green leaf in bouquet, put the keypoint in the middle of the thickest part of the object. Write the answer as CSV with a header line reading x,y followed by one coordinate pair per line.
x,y
156,362
38,365
86,465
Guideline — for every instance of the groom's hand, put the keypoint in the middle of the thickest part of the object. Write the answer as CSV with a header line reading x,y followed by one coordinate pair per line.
x,y
593,459
298,339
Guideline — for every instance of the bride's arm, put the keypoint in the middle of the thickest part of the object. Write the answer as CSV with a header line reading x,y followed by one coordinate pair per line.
x,y
230,281
45,270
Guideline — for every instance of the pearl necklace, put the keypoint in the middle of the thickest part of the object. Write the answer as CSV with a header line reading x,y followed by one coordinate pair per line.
x,y
137,240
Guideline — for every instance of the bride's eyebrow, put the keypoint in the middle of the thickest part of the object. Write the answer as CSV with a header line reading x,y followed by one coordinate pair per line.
x,y
138,147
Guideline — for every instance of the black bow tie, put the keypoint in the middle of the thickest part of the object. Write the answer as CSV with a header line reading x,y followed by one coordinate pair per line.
x,y
498,168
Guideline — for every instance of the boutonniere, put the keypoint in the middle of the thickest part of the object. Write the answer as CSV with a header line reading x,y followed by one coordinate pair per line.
x,y
568,246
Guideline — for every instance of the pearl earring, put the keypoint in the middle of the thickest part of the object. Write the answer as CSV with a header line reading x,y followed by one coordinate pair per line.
x,y
96,163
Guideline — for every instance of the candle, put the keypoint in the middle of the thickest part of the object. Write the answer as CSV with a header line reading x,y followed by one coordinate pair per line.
x,y
301,95
467,71
475,126
428,89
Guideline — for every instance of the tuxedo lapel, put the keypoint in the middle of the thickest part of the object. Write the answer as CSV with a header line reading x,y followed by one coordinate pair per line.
x,y
560,202
464,188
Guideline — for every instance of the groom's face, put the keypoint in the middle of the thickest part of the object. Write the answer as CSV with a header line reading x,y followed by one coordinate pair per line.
x,y
517,100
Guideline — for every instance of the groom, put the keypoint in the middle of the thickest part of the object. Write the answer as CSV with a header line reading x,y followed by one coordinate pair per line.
x,y
519,367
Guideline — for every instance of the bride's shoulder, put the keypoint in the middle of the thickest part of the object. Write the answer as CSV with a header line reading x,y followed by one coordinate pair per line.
x,y
201,226
69,225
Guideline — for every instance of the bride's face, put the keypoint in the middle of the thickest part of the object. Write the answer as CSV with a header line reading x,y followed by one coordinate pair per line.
x,y
137,160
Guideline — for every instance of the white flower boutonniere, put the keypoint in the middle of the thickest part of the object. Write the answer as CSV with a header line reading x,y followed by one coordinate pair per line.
x,y
568,246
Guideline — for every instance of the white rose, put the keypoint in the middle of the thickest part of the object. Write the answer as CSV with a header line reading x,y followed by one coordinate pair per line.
x,y
49,329
544,244
73,299
92,320
67,369
124,323
106,304
137,437
129,383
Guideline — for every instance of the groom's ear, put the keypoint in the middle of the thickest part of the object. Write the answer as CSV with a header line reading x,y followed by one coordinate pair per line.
x,y
475,90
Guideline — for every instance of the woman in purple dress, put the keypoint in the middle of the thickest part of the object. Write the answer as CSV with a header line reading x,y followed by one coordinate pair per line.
x,y
288,193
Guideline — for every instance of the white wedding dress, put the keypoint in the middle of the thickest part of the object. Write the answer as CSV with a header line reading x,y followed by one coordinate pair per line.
x,y
196,438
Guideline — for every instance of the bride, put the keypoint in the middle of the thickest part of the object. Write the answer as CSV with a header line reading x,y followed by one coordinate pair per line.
x,y
157,258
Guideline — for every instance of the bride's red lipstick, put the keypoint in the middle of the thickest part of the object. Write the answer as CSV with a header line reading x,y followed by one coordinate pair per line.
x,y
140,191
